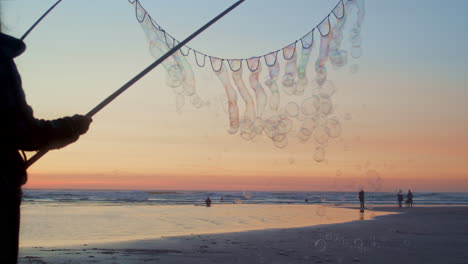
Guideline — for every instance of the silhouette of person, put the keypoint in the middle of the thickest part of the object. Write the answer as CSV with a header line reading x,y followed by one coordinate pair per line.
x,y
21,131
361,198
400,198
208,202
409,198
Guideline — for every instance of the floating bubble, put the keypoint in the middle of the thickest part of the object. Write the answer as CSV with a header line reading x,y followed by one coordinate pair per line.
x,y
356,52
320,245
356,39
310,105
326,106
354,68
308,126
247,195
338,58
180,102
406,243
196,101
333,128
285,125
282,143
374,180
259,126
348,116
174,76
320,135
303,138
357,243
327,89
319,154
320,74
292,109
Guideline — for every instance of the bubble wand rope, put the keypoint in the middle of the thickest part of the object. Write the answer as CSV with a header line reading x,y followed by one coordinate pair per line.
x,y
40,19
122,89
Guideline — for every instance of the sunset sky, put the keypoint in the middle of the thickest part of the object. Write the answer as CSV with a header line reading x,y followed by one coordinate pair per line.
x,y
408,100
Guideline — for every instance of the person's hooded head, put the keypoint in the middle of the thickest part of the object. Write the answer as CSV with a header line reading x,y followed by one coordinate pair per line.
x,y
10,47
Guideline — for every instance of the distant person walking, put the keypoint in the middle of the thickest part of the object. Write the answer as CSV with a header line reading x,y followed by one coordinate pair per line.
x,y
208,202
361,198
409,198
400,198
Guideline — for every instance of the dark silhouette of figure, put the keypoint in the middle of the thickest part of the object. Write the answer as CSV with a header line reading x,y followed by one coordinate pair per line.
x,y
21,131
361,198
400,198
409,198
208,202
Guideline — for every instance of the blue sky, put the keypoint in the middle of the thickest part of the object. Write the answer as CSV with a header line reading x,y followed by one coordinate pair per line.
x,y
412,76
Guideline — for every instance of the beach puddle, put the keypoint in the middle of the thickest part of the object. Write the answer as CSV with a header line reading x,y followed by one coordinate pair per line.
x,y
59,225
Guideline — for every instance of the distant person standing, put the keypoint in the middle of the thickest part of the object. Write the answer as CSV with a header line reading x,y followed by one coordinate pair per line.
x,y
361,199
409,198
400,198
208,202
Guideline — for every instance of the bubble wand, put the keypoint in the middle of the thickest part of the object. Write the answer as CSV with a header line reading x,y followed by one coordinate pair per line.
x,y
135,79
40,19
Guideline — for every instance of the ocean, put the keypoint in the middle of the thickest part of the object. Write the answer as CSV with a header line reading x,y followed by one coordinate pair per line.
x,y
116,197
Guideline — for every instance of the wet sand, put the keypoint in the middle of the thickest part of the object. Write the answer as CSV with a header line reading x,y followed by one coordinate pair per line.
x,y
417,235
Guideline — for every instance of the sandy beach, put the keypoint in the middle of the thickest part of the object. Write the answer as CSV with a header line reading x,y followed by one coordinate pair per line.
x,y
415,235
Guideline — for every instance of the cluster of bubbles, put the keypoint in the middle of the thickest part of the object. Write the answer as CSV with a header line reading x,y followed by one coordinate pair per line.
x,y
179,73
358,245
302,109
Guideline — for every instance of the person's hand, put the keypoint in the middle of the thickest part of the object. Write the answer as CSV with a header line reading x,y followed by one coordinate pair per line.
x,y
81,123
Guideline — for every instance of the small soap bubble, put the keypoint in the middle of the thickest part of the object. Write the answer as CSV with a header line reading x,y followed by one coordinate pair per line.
x,y
357,243
356,52
320,245
321,75
327,89
406,243
282,143
292,109
319,154
320,210
174,76
333,128
180,101
247,195
320,135
348,116
326,106
310,105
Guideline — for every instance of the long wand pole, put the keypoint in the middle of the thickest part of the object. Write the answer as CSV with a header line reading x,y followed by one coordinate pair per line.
x,y
135,79
40,19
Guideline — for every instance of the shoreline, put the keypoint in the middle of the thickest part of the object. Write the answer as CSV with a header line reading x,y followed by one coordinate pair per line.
x,y
433,234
